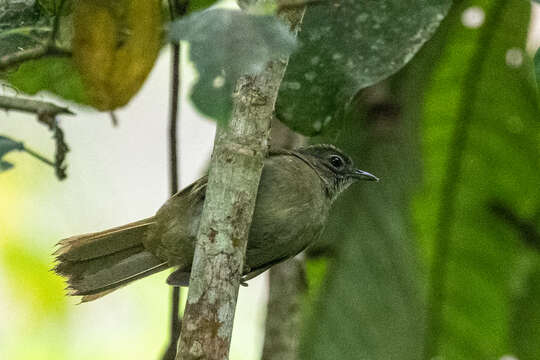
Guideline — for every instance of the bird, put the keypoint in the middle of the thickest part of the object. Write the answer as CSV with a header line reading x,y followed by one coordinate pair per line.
x,y
295,195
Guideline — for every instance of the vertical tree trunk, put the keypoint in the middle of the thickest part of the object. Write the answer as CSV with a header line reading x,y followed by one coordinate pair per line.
x,y
237,160
282,328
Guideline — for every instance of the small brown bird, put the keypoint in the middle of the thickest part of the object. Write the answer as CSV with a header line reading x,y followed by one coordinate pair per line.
x,y
296,191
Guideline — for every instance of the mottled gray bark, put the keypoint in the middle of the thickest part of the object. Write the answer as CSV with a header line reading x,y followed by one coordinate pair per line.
x,y
235,169
282,328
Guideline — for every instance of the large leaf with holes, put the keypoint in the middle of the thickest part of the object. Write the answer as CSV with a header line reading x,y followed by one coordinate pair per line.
x,y
370,305
224,45
481,131
348,45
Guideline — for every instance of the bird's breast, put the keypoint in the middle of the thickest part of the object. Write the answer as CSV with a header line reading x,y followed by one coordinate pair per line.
x,y
290,211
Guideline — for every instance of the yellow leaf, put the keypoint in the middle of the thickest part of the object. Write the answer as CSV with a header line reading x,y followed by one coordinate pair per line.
x,y
115,45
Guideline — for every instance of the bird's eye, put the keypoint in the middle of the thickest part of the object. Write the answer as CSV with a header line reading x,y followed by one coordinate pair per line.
x,y
336,161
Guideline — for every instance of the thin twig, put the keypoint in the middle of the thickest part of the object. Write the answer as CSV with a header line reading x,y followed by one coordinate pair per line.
x,y
46,113
9,60
173,123
38,156
175,9
19,145
32,106
61,147
176,321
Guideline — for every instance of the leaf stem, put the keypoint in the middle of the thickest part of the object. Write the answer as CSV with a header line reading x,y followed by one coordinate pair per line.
x,y
38,156
56,23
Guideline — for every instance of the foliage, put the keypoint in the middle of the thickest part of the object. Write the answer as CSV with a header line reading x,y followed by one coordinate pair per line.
x,y
525,323
197,5
115,47
22,25
224,45
7,145
346,48
56,74
370,304
475,215
480,146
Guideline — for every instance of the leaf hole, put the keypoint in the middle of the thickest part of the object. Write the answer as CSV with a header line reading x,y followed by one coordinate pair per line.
x,y
473,17
514,57
218,82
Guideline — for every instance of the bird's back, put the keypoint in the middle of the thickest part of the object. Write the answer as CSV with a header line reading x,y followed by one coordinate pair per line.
x,y
289,214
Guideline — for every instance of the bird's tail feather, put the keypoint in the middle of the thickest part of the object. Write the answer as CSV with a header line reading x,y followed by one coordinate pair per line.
x,y
98,263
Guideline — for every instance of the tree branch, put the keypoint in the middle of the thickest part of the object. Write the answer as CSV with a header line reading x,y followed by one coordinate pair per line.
x,y
46,113
32,106
237,160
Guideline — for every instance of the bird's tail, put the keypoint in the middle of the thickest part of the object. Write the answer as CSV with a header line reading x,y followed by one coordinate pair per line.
x,y
98,263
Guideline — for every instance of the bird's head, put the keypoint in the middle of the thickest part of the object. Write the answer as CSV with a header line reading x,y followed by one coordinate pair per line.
x,y
334,167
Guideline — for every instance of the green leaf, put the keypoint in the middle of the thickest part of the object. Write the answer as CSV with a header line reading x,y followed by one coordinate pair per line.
x,y
536,61
22,26
51,6
525,329
196,5
346,48
480,146
7,145
55,74
370,305
224,45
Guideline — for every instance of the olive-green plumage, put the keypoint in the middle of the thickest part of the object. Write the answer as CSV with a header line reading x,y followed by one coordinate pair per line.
x,y
295,193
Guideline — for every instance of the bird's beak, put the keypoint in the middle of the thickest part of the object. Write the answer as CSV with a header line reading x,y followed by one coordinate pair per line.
x,y
363,175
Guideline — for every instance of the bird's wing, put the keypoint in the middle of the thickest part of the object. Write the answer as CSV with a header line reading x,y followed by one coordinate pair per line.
x,y
258,271
194,189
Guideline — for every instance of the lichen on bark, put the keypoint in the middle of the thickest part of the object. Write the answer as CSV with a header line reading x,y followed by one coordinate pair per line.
x,y
237,160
